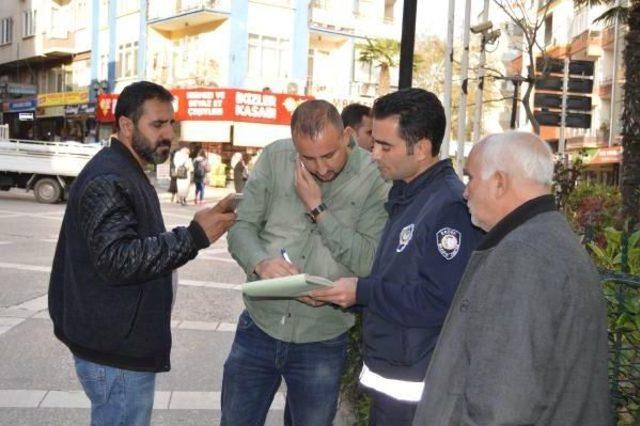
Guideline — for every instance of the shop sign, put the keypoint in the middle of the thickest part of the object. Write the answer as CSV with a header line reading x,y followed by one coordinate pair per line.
x,y
25,116
19,88
207,104
63,98
22,105
106,107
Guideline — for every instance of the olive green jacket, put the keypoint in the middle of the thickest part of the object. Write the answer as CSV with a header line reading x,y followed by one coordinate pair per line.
x,y
271,217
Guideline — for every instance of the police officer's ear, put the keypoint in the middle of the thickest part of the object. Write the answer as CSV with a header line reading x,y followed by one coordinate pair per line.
x,y
422,150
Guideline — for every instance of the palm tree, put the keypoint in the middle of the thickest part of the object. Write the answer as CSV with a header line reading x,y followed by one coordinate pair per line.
x,y
631,105
383,53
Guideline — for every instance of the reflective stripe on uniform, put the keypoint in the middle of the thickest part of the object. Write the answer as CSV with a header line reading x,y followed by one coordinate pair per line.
x,y
403,390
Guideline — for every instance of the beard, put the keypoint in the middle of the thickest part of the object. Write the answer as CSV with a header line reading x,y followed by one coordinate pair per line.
x,y
145,149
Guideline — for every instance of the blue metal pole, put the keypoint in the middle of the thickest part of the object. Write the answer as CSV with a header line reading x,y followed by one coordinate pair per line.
x,y
95,49
238,55
142,41
300,43
111,78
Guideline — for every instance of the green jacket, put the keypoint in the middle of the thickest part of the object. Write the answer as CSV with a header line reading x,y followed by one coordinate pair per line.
x,y
272,217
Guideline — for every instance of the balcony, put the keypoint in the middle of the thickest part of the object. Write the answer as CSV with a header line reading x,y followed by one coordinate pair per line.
x,y
58,45
325,17
608,37
175,15
587,44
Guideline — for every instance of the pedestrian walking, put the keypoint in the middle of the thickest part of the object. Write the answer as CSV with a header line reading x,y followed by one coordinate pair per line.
x,y
200,170
184,168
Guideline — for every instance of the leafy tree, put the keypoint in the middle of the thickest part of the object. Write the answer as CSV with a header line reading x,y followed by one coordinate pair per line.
x,y
384,53
631,105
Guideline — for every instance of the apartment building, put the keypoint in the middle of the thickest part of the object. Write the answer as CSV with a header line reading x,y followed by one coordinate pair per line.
x,y
56,56
569,31
44,68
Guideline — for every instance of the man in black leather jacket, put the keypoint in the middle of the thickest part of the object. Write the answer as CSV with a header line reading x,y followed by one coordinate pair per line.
x,y
113,278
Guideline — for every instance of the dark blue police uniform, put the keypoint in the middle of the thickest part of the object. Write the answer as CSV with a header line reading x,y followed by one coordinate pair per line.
x,y
423,252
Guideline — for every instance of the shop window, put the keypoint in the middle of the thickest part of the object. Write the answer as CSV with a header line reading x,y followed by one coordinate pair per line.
x,y
29,23
6,31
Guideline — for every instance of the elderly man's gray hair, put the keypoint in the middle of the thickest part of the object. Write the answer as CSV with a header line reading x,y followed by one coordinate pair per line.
x,y
519,154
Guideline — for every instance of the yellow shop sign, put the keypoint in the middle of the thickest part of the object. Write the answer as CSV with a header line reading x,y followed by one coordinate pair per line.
x,y
63,98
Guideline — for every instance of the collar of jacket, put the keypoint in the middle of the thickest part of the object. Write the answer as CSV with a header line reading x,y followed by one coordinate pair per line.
x,y
120,149
527,211
402,192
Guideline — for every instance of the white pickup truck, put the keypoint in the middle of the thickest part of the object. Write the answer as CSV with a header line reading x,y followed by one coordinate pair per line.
x,y
47,168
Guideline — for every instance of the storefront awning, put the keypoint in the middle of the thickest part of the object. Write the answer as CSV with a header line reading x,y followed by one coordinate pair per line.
x,y
258,135
205,131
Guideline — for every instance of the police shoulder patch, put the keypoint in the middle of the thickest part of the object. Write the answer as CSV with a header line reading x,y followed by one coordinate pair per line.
x,y
405,236
449,241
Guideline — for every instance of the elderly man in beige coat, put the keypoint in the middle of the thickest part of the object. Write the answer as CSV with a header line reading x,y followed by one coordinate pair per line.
x,y
525,340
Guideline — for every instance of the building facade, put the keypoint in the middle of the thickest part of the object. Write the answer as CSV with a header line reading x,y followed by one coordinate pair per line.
x,y
61,59
570,31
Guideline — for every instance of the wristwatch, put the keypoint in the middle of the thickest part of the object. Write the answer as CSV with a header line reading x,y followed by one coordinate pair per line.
x,y
313,214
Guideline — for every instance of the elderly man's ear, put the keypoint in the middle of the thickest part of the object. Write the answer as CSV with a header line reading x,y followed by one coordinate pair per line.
x,y
501,183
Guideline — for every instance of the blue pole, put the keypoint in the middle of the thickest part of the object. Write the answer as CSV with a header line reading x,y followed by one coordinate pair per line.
x,y
111,79
142,41
95,49
239,51
300,43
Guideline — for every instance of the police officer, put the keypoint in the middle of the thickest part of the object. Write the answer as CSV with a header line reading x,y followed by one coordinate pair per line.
x,y
424,249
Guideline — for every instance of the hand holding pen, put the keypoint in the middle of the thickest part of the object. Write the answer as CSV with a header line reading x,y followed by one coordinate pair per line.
x,y
276,267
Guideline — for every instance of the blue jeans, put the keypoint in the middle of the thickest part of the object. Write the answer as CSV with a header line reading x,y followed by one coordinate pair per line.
x,y
118,397
200,190
258,362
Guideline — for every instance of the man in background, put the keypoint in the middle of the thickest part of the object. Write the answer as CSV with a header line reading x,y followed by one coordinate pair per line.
x,y
356,119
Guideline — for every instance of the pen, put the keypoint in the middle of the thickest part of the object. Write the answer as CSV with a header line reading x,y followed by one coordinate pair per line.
x,y
285,255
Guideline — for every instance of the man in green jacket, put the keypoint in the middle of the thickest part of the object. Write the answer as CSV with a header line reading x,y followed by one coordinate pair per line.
x,y
311,205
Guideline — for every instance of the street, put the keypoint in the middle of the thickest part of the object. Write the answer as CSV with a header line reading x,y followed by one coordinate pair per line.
x,y
37,379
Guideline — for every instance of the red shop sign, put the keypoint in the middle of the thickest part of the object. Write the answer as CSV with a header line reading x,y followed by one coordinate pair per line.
x,y
205,104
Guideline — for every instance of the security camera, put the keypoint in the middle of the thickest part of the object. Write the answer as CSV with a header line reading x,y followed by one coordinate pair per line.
x,y
491,36
481,27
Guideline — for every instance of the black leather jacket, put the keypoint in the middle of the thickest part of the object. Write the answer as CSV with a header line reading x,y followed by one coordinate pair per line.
x,y
110,293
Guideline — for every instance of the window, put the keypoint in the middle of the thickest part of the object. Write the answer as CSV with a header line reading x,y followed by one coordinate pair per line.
x,y
548,30
267,56
6,31
58,27
363,8
29,23
388,10
127,63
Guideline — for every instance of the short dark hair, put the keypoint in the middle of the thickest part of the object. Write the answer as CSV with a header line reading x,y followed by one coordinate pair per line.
x,y
353,114
420,115
311,117
134,96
